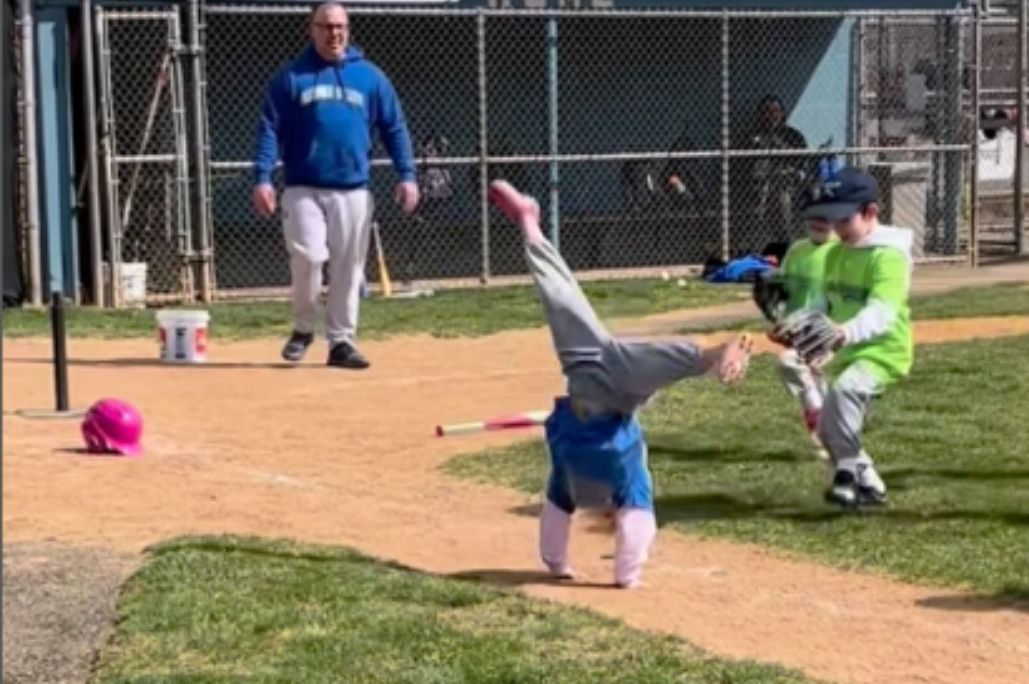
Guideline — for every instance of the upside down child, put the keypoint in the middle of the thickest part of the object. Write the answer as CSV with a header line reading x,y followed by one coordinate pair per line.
x,y
598,452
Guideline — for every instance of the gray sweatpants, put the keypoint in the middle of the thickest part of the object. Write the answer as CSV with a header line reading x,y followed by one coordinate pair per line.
x,y
325,225
604,374
802,383
843,416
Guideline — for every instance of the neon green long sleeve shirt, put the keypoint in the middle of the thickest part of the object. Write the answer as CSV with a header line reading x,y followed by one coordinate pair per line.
x,y
803,273
867,288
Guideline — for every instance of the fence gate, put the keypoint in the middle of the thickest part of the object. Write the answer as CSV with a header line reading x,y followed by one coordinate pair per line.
x,y
144,152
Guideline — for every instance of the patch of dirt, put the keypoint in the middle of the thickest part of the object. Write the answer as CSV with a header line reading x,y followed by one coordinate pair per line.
x,y
246,445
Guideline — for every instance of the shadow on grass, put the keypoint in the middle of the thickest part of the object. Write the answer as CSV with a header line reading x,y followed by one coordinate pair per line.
x,y
283,549
900,476
725,506
270,548
728,454
1017,600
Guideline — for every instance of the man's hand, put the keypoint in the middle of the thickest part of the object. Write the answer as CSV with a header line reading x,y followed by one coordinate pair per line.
x,y
406,195
264,199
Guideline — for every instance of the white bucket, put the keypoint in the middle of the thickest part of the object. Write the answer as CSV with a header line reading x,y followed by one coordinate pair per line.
x,y
183,335
133,283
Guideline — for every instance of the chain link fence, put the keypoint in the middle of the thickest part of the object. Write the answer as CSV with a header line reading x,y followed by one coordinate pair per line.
x,y
653,139
144,150
916,91
1000,78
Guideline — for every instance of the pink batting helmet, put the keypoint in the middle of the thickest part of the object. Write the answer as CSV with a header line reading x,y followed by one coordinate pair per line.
x,y
113,426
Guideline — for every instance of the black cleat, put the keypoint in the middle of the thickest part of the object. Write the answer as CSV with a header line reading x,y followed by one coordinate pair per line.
x,y
847,492
345,355
297,346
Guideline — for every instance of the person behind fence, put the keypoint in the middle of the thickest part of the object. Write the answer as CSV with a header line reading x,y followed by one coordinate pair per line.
x,y
769,183
320,113
864,328
597,449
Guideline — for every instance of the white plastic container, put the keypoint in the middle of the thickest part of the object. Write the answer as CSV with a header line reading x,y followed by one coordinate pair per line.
x,y
133,284
183,335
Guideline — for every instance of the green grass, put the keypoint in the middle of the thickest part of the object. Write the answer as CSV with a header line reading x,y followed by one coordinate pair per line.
x,y
951,443
447,314
1003,299
230,609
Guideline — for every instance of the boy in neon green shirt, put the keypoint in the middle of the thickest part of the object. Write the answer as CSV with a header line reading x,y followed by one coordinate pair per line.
x,y
867,283
802,273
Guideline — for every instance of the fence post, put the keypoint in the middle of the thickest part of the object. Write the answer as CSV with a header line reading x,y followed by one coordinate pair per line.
x,y
1023,26
857,76
726,142
202,221
483,143
973,220
89,85
30,163
113,215
552,83
183,218
953,183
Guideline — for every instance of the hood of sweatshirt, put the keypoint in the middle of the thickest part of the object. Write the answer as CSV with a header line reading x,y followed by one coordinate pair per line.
x,y
890,236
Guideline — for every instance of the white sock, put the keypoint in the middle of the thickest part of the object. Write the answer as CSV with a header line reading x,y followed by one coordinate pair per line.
x,y
555,530
637,528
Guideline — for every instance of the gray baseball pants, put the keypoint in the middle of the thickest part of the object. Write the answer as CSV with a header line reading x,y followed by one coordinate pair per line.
x,y
803,384
325,225
843,415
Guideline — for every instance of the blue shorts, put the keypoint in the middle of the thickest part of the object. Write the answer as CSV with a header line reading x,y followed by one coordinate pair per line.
x,y
598,462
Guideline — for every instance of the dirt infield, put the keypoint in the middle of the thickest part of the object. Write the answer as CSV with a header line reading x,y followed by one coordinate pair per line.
x,y
246,445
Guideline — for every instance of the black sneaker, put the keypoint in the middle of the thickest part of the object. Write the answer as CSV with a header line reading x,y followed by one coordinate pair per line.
x,y
297,346
847,492
345,355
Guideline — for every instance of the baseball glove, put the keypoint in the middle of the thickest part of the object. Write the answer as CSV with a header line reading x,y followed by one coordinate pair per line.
x,y
811,334
770,295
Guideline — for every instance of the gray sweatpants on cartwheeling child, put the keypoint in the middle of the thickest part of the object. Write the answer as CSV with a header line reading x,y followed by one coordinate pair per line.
x,y
605,376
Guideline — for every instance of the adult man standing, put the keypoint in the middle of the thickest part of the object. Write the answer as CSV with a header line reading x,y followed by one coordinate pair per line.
x,y
319,113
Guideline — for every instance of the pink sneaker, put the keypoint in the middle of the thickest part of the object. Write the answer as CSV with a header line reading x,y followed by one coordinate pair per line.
x,y
517,207
811,418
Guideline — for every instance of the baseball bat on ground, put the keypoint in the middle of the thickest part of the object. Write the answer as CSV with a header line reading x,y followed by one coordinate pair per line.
x,y
384,281
508,422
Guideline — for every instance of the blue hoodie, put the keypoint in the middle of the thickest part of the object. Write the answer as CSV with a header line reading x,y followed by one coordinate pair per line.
x,y
321,116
